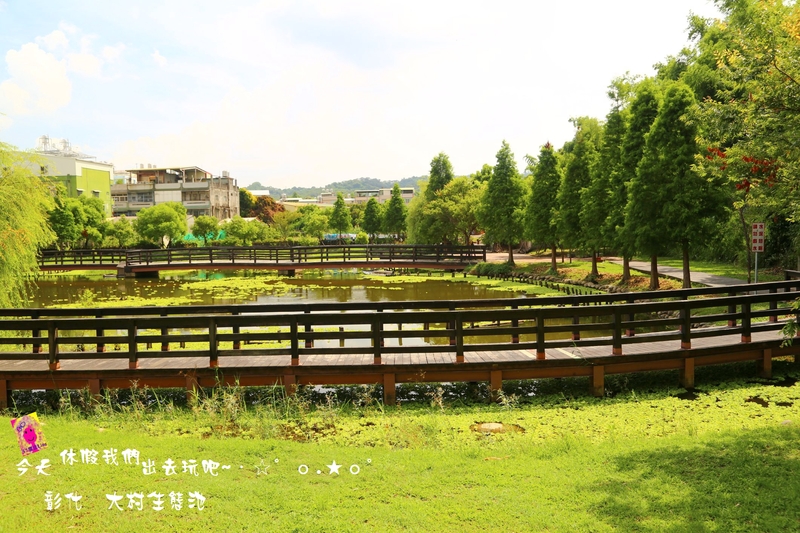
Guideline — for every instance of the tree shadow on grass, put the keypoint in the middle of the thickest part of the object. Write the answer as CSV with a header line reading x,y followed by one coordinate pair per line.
x,y
738,481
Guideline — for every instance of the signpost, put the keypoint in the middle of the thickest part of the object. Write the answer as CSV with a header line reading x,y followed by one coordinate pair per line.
x,y
757,241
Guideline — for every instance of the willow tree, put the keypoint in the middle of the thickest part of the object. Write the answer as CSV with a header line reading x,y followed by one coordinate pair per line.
x,y
24,202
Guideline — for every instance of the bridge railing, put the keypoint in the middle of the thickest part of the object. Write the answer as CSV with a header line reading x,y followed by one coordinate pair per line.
x,y
110,257
377,329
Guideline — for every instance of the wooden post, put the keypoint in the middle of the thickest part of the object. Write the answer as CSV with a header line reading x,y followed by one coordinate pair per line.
x,y
746,334
295,342
377,339
52,346
290,384
773,305
515,324
597,381
94,389
451,325
540,345
686,327
765,364
630,332
459,339
307,328
237,342
164,333
389,389
687,373
213,348
5,395
576,321
101,348
37,348
495,384
616,348
133,359
731,311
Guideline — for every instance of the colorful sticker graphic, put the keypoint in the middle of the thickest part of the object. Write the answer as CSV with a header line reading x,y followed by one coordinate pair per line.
x,y
29,434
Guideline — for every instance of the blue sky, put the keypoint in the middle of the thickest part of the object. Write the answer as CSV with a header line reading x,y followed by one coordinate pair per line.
x,y
305,93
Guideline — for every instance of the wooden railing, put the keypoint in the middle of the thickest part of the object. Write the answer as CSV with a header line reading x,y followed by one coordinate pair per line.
x,y
379,328
255,255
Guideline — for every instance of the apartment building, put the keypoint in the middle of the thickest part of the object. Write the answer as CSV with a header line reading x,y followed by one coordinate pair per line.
x,y
198,190
383,195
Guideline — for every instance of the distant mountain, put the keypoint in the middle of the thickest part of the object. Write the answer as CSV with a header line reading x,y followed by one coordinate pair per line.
x,y
344,187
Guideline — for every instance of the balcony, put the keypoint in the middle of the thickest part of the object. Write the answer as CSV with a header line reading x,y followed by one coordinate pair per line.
x,y
195,185
197,204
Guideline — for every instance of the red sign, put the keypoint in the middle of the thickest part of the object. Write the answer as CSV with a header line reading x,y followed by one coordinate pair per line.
x,y
757,237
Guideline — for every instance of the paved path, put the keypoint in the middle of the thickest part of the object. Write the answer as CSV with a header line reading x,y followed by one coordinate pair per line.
x,y
676,272
709,280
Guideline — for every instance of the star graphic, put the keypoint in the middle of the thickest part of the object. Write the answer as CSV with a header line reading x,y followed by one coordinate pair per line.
x,y
334,468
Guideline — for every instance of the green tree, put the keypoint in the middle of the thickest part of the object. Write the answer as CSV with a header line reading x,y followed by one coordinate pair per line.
x,y
206,228
340,219
394,214
247,203
595,199
24,203
357,214
283,224
121,234
373,219
541,222
500,211
581,155
484,174
643,112
441,174
162,223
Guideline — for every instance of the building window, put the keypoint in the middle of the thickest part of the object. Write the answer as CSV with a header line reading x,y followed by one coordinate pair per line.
x,y
96,194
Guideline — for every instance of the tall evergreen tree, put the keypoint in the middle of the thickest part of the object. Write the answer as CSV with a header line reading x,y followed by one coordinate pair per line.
x,y
581,154
394,215
441,175
541,225
340,219
643,112
372,218
500,212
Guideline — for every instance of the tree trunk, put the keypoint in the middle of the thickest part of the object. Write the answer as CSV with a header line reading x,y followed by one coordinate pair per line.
x,y
510,255
653,272
687,274
626,269
595,273
553,259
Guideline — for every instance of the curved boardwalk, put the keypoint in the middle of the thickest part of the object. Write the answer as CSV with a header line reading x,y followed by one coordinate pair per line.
x,y
288,259
395,342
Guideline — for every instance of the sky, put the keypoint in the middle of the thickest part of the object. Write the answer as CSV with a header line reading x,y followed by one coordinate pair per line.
x,y
304,93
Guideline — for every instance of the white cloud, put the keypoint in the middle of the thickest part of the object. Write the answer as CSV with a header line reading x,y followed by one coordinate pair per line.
x,y
160,60
112,53
86,64
5,122
38,82
55,40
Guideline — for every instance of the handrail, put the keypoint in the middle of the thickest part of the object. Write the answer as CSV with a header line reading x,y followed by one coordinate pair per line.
x,y
365,329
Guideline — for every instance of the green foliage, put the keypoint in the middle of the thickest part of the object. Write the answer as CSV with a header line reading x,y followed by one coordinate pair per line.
x,y
449,217
500,211
362,238
162,223
340,220
205,228
441,174
484,174
394,214
121,233
265,209
24,228
541,223
580,156
283,224
373,218
239,232
246,203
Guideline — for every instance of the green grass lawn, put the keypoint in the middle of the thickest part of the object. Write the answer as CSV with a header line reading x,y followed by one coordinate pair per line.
x,y
642,460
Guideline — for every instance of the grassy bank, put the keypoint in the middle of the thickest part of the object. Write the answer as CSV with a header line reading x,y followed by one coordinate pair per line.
x,y
723,458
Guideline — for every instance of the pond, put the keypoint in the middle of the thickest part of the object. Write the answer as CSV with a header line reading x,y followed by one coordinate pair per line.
x,y
228,287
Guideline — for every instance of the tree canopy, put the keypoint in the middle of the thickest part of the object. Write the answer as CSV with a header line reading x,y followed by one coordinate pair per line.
x,y
500,211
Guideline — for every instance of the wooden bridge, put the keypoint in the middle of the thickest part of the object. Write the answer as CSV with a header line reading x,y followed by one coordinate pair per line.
x,y
286,259
395,342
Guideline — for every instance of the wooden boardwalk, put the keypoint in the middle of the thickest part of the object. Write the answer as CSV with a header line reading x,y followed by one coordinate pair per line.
x,y
388,343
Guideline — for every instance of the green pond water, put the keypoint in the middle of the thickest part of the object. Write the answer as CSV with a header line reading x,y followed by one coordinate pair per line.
x,y
226,287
